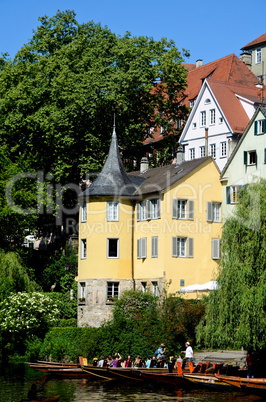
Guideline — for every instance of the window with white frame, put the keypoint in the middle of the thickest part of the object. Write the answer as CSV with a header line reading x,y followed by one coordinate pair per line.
x,y
202,151
155,288
220,120
213,212
182,209
154,246
194,126
112,211
82,291
207,101
203,118
213,150
83,248
182,246
216,252
260,127
250,157
142,247
258,55
144,287
232,194
112,290
83,212
112,248
212,116
223,149
148,209
141,211
192,153
153,207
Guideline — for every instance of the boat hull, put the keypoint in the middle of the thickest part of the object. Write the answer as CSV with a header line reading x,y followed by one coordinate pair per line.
x,y
166,378
54,398
205,380
257,385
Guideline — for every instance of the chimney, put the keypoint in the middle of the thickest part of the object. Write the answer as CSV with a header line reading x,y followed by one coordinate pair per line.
x,y
246,58
180,156
198,63
144,164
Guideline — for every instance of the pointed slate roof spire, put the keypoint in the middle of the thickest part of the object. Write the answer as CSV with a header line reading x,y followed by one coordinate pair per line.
x,y
113,179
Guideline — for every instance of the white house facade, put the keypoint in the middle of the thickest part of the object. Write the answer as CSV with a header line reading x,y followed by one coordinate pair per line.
x,y
246,164
218,119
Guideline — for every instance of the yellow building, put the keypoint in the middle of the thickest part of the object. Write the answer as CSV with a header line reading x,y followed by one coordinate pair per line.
x,y
149,230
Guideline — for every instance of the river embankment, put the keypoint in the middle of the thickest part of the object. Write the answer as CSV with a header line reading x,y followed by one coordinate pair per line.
x,y
230,357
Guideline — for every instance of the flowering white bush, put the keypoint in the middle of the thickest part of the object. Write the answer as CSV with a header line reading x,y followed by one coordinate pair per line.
x,y
27,312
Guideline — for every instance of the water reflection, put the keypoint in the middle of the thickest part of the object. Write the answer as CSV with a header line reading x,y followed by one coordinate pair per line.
x,y
15,380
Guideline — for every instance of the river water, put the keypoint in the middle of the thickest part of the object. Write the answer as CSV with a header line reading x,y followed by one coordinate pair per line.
x,y
15,381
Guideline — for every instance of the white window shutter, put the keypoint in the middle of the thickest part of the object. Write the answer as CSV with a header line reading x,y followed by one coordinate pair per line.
x,y
190,210
190,248
174,215
154,246
138,211
215,249
209,216
144,247
174,246
158,208
138,248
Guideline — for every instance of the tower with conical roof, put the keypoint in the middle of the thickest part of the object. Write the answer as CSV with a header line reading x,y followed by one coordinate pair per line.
x,y
105,239
113,179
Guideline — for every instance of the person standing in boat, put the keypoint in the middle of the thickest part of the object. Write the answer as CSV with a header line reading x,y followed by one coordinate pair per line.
x,y
189,355
251,364
160,352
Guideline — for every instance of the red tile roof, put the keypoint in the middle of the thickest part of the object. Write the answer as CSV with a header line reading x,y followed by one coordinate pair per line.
x,y
226,95
228,69
261,39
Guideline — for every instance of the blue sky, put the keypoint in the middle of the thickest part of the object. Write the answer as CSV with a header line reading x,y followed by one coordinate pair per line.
x,y
209,29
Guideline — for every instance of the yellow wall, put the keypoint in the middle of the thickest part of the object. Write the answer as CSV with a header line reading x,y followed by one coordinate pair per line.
x,y
201,186
96,230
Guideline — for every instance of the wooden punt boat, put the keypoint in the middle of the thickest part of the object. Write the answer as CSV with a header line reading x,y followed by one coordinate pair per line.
x,y
75,372
166,378
129,373
54,398
101,373
245,384
208,380
45,366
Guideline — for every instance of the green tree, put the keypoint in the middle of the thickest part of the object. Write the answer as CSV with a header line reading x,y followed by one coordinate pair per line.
x,y
14,277
235,312
58,98
25,315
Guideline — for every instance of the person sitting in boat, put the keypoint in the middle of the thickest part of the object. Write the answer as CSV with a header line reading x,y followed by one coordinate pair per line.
x,y
160,362
139,362
95,361
32,394
153,362
102,362
128,362
116,362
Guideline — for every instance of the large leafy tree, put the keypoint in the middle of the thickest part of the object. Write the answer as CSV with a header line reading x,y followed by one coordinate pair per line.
x,y
59,95
235,312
